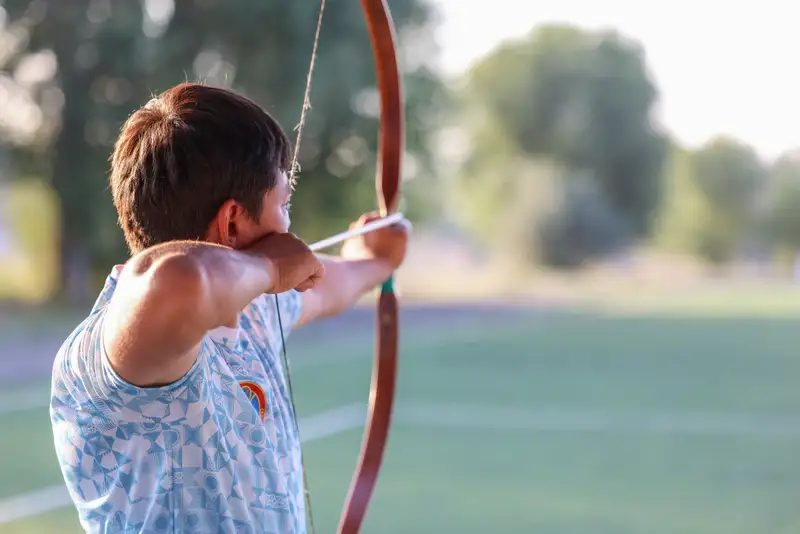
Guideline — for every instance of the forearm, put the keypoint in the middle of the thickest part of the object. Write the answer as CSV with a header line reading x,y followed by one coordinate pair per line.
x,y
346,281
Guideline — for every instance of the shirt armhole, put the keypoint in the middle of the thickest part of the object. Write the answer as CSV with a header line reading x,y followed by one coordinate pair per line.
x,y
277,317
110,381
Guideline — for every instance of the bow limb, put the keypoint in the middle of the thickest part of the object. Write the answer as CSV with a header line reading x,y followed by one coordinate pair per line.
x,y
387,185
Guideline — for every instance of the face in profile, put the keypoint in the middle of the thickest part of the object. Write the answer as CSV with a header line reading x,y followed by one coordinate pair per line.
x,y
234,227
275,211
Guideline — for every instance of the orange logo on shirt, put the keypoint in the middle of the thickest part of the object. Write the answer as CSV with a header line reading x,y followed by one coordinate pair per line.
x,y
256,396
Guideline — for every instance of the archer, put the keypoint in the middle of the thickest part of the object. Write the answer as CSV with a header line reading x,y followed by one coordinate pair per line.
x,y
169,407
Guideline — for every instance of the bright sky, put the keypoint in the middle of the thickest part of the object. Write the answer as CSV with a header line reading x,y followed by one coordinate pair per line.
x,y
721,66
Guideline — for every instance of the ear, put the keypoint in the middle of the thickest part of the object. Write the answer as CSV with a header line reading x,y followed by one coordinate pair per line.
x,y
229,226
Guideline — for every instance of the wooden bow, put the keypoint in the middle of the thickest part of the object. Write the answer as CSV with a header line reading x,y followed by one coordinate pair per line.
x,y
387,185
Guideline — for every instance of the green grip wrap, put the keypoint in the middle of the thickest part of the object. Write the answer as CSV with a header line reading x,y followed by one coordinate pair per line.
x,y
388,285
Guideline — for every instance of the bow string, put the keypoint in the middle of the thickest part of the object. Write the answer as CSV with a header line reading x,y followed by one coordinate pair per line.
x,y
387,185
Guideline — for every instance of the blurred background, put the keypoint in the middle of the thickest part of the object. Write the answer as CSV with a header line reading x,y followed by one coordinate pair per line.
x,y
599,306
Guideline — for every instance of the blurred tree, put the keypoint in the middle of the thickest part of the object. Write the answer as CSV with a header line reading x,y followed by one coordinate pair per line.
x,y
713,199
582,228
684,207
782,217
585,100
732,179
109,56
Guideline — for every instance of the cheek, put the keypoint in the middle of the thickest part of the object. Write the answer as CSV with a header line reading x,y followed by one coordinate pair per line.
x,y
286,220
276,220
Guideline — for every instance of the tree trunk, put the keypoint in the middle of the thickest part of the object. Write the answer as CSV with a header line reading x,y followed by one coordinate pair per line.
x,y
75,269
68,171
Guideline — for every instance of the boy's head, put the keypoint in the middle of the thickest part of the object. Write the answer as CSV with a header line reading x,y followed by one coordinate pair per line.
x,y
200,162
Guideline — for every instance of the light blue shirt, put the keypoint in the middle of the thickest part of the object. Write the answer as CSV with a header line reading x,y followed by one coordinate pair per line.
x,y
216,451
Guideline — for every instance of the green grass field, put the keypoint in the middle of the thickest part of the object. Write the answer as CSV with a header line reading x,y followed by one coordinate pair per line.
x,y
556,423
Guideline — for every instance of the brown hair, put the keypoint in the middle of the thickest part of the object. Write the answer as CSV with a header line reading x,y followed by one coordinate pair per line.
x,y
179,157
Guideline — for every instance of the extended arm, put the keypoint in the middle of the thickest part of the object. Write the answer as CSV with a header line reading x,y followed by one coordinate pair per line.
x,y
345,282
366,262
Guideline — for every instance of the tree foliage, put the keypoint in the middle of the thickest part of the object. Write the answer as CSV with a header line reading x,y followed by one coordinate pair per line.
x,y
583,100
730,174
582,228
712,206
110,56
782,215
731,178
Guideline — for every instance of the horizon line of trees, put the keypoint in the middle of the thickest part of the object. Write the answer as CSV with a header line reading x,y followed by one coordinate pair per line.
x,y
565,147
564,161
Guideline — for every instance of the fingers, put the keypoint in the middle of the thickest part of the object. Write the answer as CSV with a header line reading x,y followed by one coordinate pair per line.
x,y
401,228
290,262
312,280
364,219
303,287
371,216
404,225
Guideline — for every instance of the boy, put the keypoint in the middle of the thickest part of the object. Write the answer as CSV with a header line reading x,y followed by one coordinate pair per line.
x,y
169,408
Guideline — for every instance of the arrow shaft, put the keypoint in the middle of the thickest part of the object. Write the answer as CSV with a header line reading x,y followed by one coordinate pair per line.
x,y
394,218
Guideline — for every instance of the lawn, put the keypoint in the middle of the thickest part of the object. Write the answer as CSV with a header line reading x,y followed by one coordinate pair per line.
x,y
568,423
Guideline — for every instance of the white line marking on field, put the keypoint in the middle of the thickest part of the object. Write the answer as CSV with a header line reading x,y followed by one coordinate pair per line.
x,y
333,422
555,419
33,503
312,428
26,399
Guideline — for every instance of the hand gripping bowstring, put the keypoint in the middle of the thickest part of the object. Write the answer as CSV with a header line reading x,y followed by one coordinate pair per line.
x,y
387,185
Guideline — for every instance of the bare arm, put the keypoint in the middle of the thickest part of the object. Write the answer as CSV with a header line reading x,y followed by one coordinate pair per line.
x,y
345,282
366,262
170,295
